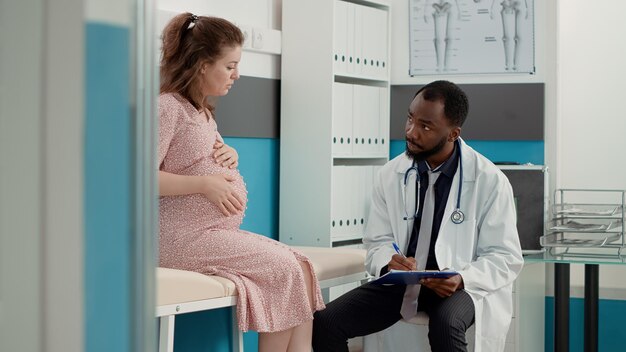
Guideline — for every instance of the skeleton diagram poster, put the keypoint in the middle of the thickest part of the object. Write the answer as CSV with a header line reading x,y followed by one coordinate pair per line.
x,y
471,36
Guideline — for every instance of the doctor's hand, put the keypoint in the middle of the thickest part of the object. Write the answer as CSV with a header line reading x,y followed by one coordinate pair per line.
x,y
219,191
444,287
400,262
225,155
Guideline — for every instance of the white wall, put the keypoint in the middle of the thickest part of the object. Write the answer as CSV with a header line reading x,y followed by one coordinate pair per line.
x,y
591,53
115,12
592,72
262,14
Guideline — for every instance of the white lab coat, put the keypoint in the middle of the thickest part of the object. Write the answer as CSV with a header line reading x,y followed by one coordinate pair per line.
x,y
484,249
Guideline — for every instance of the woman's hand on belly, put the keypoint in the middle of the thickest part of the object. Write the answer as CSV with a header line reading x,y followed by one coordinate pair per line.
x,y
225,155
219,190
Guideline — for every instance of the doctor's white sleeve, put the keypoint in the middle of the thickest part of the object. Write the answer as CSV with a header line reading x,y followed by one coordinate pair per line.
x,y
378,236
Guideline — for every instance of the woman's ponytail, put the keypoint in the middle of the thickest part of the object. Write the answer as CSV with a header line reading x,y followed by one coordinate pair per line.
x,y
173,35
188,42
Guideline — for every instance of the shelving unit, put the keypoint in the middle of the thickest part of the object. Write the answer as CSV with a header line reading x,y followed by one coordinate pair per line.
x,y
334,117
586,220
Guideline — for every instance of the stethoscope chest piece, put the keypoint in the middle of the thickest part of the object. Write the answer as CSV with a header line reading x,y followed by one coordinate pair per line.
x,y
457,216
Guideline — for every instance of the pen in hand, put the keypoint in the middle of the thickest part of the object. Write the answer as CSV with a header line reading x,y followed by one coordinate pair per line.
x,y
395,246
402,263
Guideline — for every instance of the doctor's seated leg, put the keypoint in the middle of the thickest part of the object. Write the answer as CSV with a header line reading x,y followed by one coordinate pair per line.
x,y
362,311
449,319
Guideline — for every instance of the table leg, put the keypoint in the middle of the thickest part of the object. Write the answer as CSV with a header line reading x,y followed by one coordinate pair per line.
x,y
561,307
591,307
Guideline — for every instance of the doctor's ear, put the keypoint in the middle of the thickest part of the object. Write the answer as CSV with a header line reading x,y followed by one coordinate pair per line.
x,y
454,134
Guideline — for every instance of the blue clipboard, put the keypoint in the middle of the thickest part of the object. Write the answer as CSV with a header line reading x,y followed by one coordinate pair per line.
x,y
396,277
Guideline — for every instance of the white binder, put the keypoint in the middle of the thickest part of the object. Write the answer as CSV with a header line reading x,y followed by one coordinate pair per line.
x,y
334,201
358,40
380,53
340,45
353,201
358,120
366,43
342,120
365,109
350,59
337,201
366,173
383,123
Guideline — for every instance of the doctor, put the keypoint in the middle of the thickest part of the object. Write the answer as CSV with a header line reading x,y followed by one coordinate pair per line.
x,y
446,207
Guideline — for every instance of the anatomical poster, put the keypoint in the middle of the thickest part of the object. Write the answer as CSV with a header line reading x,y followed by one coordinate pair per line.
x,y
471,36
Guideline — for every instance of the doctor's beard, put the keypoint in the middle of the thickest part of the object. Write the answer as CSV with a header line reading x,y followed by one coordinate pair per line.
x,y
425,154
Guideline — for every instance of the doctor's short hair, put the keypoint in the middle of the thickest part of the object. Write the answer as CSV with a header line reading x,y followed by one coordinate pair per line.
x,y
454,99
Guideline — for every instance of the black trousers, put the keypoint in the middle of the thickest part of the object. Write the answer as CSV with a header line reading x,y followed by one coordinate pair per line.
x,y
371,308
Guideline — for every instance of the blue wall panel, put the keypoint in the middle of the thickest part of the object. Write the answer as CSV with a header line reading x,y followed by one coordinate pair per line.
x,y
611,328
396,148
204,331
107,193
258,163
521,152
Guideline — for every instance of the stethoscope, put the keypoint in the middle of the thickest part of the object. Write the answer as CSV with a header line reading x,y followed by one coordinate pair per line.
x,y
457,216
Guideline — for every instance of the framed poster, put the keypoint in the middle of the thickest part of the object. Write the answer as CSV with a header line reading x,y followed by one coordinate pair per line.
x,y
471,36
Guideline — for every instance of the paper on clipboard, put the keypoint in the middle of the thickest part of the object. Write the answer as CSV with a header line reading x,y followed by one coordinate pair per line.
x,y
396,277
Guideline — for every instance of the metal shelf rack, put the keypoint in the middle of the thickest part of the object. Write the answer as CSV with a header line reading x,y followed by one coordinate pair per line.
x,y
585,219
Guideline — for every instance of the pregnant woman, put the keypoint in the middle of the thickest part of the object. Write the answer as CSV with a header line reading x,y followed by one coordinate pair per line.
x,y
203,196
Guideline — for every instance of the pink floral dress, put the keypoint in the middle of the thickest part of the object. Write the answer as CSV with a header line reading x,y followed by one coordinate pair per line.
x,y
196,236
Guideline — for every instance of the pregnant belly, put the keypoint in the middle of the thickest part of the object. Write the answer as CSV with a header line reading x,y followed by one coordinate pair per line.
x,y
189,213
